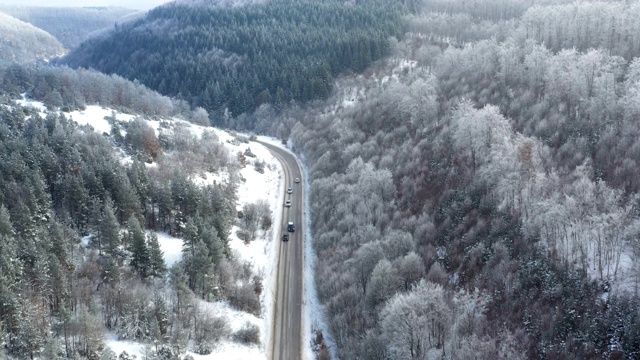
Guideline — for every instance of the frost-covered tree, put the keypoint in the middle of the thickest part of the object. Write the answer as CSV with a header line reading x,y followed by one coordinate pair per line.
x,y
414,323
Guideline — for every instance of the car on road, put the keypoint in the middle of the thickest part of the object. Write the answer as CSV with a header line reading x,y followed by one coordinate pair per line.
x,y
291,227
297,180
285,237
289,190
287,203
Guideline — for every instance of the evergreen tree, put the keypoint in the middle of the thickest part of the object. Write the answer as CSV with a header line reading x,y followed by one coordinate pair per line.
x,y
190,237
139,179
109,234
214,244
157,267
6,228
138,247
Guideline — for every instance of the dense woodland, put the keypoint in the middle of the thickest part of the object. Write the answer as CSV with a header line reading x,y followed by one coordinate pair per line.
x,y
474,195
79,255
238,58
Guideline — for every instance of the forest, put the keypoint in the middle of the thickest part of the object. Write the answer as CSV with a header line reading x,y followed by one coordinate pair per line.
x,y
474,194
235,59
79,252
473,185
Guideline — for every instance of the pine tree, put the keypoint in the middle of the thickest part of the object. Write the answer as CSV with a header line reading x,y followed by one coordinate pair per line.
x,y
109,235
197,265
157,267
214,244
139,179
190,237
138,247
6,228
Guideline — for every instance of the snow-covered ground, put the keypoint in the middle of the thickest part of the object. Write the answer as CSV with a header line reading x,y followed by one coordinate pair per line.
x,y
171,247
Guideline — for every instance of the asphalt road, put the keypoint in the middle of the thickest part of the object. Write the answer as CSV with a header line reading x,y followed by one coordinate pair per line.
x,y
286,335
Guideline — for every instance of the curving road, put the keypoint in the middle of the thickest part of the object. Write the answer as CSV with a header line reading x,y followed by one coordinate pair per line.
x,y
286,335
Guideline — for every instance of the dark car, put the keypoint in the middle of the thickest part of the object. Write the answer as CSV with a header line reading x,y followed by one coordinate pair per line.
x,y
285,237
291,227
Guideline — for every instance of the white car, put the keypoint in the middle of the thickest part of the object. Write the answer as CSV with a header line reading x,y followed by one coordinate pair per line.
x,y
297,180
289,190
287,203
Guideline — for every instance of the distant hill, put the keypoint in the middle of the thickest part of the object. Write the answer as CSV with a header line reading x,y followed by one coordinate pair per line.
x,y
219,3
21,42
237,58
70,25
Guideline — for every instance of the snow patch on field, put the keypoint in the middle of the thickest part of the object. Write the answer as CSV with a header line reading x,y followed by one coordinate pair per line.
x,y
118,346
37,105
209,178
171,247
236,319
231,351
94,115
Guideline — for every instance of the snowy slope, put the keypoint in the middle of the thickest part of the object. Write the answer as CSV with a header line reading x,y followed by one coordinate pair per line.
x,y
261,253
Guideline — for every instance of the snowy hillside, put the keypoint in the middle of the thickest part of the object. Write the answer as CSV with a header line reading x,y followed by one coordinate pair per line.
x,y
260,253
22,42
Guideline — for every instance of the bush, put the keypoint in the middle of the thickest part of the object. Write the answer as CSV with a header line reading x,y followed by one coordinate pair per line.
x,y
249,334
257,284
210,330
202,349
244,235
245,299
259,166
266,222
165,353
249,153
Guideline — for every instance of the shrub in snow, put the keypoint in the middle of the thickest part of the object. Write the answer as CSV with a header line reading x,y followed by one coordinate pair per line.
x,y
244,235
210,330
248,334
166,353
244,298
248,153
202,349
257,284
108,354
125,356
259,166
